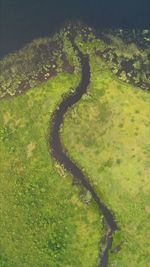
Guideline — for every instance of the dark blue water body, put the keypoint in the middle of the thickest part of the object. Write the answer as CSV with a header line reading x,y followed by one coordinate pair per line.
x,y
23,20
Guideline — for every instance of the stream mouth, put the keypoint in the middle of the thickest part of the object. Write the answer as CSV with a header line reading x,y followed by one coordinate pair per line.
x,y
58,151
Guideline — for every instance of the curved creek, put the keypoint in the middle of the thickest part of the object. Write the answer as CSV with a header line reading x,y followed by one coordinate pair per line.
x,y
58,152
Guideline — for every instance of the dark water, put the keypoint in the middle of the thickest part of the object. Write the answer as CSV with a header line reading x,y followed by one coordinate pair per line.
x,y
23,20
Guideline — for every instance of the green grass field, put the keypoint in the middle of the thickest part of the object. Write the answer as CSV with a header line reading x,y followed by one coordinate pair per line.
x,y
109,140
44,220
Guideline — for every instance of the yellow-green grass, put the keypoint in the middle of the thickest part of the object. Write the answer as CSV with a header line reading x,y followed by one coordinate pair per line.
x,y
108,135
44,221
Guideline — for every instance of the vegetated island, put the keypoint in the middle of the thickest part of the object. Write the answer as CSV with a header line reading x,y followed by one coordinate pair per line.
x,y
46,219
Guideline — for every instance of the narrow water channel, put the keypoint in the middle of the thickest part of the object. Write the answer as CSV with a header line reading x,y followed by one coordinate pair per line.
x,y
60,156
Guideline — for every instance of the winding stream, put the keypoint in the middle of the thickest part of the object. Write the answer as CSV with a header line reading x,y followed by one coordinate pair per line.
x,y
58,151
